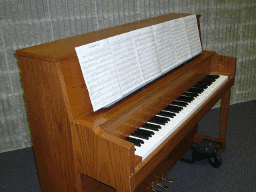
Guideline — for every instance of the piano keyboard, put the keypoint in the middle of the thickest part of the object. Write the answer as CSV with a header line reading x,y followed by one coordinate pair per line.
x,y
147,138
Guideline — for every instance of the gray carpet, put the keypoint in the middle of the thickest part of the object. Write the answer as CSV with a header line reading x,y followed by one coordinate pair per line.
x,y
237,173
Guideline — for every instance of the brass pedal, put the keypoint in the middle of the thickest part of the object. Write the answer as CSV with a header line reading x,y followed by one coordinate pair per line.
x,y
162,186
153,187
154,190
167,180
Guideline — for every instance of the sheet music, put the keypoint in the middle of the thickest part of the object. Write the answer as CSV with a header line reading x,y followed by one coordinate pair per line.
x,y
180,40
126,61
147,53
99,73
164,45
114,67
193,34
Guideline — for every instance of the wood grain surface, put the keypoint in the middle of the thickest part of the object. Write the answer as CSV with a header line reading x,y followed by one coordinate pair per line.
x,y
50,126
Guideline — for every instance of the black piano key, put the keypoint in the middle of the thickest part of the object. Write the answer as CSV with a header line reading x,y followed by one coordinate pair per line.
x,y
216,76
186,95
190,94
204,83
166,114
140,135
213,76
195,90
162,118
179,103
200,86
146,132
171,109
208,81
136,143
151,126
185,98
157,121
208,78
174,107
136,140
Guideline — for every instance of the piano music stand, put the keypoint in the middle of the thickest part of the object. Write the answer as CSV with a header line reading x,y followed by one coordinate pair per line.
x,y
206,149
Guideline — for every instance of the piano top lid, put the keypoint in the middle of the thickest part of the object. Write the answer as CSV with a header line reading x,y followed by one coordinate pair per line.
x,y
65,48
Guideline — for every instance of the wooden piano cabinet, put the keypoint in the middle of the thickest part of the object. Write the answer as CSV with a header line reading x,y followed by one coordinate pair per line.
x,y
77,149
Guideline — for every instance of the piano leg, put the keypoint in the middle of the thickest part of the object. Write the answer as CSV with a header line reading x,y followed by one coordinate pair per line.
x,y
223,123
223,118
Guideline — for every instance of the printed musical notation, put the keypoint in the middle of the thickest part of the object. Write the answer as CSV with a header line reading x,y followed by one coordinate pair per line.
x,y
164,45
180,39
193,35
116,66
99,72
146,49
126,61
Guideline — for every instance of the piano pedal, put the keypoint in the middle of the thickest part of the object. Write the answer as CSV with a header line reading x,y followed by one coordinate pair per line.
x,y
167,180
207,149
154,190
153,185
162,186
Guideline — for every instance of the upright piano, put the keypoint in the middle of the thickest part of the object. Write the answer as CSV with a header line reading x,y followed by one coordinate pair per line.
x,y
77,149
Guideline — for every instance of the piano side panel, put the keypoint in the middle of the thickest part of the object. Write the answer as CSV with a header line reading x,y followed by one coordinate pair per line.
x,y
50,126
77,93
105,158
